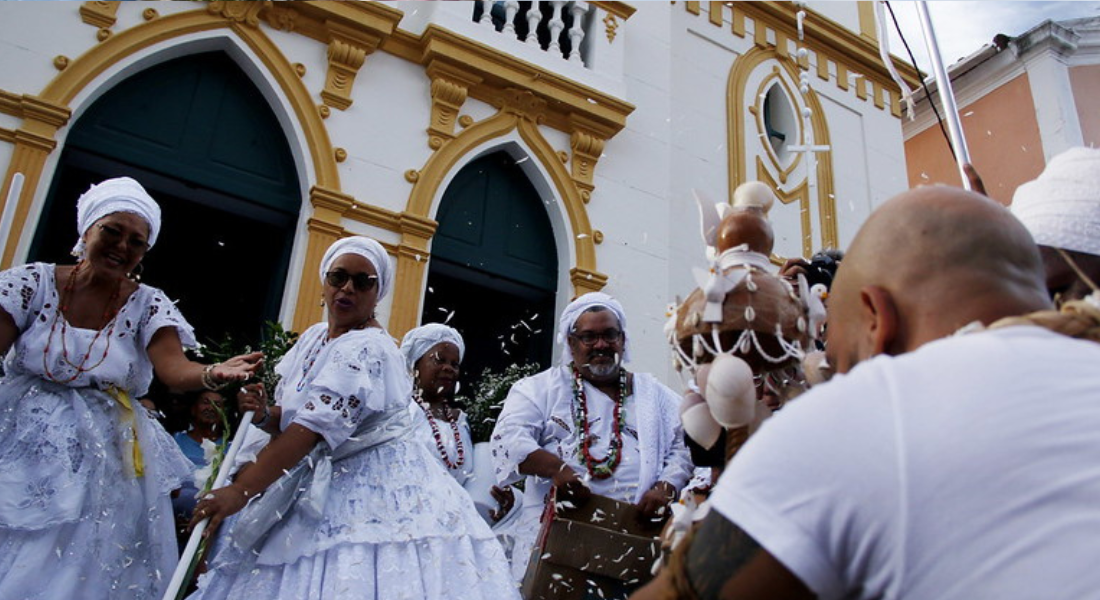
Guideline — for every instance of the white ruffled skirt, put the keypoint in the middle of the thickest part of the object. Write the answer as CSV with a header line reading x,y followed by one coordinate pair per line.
x,y
395,525
75,520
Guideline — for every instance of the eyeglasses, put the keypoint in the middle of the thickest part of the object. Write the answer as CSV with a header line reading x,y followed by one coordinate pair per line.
x,y
362,281
114,235
589,338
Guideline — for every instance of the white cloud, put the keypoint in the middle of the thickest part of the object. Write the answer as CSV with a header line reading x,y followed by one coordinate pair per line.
x,y
962,28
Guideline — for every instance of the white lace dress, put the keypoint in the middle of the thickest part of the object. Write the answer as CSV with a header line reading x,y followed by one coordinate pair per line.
x,y
369,514
76,521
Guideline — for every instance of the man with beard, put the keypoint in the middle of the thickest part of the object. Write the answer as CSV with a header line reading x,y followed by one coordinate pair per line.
x,y
947,460
588,426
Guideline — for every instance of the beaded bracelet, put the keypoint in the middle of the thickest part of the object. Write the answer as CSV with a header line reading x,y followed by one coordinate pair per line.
x,y
263,421
208,379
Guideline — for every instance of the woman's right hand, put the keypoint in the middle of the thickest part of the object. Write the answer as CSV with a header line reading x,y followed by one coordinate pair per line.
x,y
218,505
253,397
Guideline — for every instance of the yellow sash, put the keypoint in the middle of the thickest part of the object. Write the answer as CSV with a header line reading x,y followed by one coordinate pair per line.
x,y
123,398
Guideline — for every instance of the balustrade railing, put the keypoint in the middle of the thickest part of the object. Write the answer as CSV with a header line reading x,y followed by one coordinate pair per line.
x,y
558,28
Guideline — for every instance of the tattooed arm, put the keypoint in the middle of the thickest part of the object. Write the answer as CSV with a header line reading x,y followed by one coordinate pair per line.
x,y
725,563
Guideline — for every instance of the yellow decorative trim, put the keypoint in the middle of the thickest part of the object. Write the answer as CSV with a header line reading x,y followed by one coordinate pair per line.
x,y
449,87
60,62
340,154
737,24
99,14
714,13
307,309
587,143
621,10
347,51
610,26
10,104
412,175
877,94
300,69
324,111
149,14
738,170
799,194
585,280
465,121
761,129
418,227
895,103
597,236
564,98
103,34
244,13
825,38
867,27
861,88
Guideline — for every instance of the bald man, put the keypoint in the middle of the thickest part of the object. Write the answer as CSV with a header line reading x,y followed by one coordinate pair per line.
x,y
935,465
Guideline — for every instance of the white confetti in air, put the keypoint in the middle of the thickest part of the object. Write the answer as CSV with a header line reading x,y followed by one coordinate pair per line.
x,y
441,309
524,159
924,176
968,113
448,319
221,244
582,236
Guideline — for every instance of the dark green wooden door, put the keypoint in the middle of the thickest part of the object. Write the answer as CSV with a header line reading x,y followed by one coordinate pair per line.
x,y
205,143
494,267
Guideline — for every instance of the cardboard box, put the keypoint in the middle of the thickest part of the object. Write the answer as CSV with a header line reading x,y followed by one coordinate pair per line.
x,y
599,551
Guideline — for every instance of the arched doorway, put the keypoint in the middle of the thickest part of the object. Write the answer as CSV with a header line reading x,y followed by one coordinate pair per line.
x,y
494,267
205,143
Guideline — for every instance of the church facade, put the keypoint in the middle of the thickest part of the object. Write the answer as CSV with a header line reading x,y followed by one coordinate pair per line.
x,y
509,155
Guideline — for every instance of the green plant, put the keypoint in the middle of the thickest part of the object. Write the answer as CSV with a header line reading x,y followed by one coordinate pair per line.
x,y
483,405
275,341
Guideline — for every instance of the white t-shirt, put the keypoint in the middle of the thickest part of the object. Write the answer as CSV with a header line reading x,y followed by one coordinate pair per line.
x,y
967,469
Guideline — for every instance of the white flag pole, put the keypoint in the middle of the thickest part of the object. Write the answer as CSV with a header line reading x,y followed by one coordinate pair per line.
x,y
192,547
947,96
8,216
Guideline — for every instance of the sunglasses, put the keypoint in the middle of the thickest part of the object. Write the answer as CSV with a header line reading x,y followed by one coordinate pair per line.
x,y
362,281
589,338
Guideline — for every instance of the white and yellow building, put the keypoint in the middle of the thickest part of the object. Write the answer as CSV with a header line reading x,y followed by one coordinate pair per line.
x,y
505,172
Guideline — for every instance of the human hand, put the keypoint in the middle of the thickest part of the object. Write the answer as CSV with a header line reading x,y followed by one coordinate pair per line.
x,y
975,180
505,498
570,486
217,506
239,368
253,397
654,503
794,267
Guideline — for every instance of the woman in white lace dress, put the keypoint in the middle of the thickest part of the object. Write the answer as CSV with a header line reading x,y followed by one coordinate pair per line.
x,y
85,474
433,355
352,504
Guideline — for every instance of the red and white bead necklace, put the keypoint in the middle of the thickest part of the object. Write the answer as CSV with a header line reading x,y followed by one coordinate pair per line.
x,y
110,314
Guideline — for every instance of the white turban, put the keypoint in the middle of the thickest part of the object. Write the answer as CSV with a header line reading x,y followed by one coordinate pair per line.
x,y
576,308
368,249
120,194
419,341
1061,208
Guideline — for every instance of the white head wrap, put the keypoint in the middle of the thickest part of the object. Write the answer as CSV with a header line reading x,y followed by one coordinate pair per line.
x,y
368,249
576,308
1061,208
419,341
120,194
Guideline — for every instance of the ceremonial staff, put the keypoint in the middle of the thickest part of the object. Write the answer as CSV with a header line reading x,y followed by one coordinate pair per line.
x,y
184,568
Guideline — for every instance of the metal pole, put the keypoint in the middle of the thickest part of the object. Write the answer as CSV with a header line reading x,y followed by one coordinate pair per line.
x,y
14,192
947,96
192,547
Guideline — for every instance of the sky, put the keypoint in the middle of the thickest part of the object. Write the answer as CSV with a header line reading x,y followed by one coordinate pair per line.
x,y
963,27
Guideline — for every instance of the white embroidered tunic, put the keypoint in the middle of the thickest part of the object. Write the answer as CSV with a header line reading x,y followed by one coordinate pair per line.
x,y
71,504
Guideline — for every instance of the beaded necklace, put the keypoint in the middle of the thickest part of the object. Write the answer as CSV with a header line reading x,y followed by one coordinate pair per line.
x,y
110,314
605,467
311,358
460,451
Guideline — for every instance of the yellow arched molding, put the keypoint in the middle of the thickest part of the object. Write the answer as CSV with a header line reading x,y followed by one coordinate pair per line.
x,y
40,126
739,170
412,258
